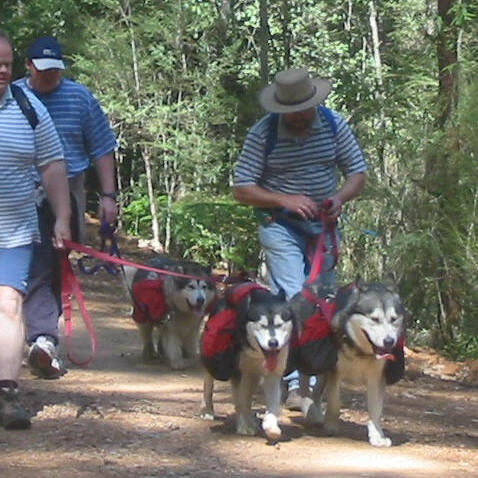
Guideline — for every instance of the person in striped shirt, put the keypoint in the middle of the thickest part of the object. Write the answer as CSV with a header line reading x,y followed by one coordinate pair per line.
x,y
87,139
290,163
22,146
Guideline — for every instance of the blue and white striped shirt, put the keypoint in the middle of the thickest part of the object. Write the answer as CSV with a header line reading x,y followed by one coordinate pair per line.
x,y
297,166
21,148
83,127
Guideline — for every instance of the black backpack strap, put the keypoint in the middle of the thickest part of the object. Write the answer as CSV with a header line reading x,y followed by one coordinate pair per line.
x,y
271,139
24,103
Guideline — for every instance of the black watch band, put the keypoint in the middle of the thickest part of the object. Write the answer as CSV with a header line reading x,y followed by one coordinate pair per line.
x,y
109,195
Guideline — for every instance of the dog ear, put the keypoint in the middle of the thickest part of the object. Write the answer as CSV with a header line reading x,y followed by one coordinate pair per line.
x,y
360,283
347,299
281,295
390,282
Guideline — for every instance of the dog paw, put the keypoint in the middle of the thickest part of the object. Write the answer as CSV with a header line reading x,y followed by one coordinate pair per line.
x,y
245,427
314,415
149,354
376,437
207,415
271,427
178,365
331,427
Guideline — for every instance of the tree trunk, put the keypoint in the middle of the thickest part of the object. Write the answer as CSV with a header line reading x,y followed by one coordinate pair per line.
x,y
443,178
264,42
447,44
126,13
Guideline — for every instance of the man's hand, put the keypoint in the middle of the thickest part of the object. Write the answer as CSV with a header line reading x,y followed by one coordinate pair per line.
x,y
332,208
108,211
61,231
301,205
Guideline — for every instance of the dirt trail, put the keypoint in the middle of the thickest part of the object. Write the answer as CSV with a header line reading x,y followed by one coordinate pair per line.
x,y
122,418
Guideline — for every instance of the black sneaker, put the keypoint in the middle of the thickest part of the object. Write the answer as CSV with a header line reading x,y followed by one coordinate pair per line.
x,y
43,359
12,414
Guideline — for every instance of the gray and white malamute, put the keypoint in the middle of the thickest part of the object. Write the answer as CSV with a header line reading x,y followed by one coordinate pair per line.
x,y
368,329
264,328
174,306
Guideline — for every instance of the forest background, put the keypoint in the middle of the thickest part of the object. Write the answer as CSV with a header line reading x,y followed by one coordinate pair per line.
x,y
179,80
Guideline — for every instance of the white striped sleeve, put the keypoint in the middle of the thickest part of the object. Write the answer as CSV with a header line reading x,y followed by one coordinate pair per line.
x,y
350,159
250,166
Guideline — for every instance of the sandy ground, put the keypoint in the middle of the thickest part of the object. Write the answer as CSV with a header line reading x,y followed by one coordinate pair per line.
x,y
122,418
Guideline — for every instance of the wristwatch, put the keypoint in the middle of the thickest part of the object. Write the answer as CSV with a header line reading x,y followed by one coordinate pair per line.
x,y
109,195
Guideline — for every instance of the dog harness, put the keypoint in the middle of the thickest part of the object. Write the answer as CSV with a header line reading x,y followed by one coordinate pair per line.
x,y
218,345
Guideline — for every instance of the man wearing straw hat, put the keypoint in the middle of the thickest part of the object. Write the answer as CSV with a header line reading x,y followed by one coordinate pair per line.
x,y
289,163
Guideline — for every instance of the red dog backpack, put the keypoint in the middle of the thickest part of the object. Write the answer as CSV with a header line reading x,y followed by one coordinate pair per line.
x,y
219,347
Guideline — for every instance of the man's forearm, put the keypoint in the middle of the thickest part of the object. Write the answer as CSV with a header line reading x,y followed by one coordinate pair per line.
x,y
105,169
352,187
55,183
254,195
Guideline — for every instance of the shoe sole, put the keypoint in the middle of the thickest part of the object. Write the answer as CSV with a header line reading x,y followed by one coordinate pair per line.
x,y
40,363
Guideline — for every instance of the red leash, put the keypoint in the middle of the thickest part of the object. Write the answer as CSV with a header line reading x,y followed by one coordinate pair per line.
x,y
71,288
74,246
321,249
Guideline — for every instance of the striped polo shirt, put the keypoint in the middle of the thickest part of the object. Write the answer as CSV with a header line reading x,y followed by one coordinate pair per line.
x,y
21,148
297,166
83,127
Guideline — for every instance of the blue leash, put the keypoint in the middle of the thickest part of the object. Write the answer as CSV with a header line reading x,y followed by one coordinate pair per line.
x,y
369,232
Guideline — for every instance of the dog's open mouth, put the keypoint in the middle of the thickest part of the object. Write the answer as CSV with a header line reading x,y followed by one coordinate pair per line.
x,y
381,353
196,308
272,358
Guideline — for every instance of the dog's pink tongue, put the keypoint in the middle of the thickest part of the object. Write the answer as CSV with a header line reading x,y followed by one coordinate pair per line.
x,y
385,357
271,362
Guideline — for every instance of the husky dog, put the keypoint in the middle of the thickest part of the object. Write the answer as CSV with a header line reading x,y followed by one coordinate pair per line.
x,y
263,335
368,327
178,306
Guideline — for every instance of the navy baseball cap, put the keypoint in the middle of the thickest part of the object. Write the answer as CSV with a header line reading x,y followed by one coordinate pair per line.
x,y
45,53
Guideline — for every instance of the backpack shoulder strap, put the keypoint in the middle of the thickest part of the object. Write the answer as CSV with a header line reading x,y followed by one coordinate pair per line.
x,y
329,117
25,106
271,138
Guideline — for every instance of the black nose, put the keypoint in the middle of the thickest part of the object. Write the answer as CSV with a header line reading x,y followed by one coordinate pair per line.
x,y
200,300
388,342
273,343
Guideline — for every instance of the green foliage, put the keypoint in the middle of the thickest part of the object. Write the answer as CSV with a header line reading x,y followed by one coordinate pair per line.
x,y
218,231
464,347
180,85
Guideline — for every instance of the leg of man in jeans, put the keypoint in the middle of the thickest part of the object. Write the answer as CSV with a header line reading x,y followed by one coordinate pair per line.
x,y
288,269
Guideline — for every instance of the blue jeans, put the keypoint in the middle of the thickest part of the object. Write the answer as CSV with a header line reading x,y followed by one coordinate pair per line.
x,y
288,267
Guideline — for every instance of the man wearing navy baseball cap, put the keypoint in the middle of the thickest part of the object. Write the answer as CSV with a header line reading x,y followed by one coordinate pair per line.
x,y
46,53
87,138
